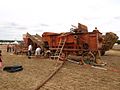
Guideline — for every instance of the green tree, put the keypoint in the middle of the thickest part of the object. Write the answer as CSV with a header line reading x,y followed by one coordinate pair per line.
x,y
118,41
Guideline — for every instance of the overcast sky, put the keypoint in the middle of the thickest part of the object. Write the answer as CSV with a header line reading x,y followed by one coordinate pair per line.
x,y
18,17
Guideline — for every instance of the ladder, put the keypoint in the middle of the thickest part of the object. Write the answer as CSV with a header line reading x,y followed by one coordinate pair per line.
x,y
59,48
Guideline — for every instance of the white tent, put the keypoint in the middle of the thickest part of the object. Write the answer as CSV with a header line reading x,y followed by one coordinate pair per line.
x,y
15,42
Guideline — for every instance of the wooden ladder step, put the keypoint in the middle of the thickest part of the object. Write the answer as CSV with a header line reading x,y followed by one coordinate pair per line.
x,y
59,49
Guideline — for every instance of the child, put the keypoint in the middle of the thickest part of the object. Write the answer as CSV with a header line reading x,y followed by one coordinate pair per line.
x,y
0,59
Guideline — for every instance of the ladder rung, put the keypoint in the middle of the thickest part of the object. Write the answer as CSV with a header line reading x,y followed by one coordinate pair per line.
x,y
60,48
54,56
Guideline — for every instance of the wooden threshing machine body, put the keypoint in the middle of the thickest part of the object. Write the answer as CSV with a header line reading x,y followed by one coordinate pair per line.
x,y
75,42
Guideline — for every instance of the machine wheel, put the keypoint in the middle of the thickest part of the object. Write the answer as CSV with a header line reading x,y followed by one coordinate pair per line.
x,y
79,53
88,57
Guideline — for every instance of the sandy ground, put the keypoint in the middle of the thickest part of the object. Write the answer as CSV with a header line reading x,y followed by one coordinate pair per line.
x,y
70,77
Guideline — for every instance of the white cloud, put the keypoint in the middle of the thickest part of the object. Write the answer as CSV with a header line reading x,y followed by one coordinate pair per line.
x,y
34,15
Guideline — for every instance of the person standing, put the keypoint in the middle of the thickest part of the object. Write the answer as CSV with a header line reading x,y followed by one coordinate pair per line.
x,y
8,48
0,59
29,50
37,51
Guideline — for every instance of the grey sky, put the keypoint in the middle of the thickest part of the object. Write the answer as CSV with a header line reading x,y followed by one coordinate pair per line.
x,y
37,16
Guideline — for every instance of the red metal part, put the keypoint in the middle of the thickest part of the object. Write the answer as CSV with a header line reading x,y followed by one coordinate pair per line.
x,y
75,41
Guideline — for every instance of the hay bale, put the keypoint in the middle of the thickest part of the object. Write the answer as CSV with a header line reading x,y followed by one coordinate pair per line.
x,y
109,40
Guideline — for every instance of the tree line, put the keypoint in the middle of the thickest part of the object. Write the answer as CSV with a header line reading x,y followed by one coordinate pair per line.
x,y
118,41
9,40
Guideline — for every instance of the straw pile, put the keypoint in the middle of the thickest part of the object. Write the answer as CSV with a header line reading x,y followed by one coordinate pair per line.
x,y
109,40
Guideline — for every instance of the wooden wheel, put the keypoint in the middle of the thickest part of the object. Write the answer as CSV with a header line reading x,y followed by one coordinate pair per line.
x,y
88,57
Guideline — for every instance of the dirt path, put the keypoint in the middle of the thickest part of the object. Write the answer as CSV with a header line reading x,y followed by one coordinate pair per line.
x,y
70,77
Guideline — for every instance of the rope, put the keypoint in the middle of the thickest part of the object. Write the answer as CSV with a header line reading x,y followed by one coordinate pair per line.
x,y
50,76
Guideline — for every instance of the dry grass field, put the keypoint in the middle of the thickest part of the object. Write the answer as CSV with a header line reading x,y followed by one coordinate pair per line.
x,y
70,77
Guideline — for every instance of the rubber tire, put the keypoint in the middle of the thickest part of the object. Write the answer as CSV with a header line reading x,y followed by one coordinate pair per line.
x,y
12,69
